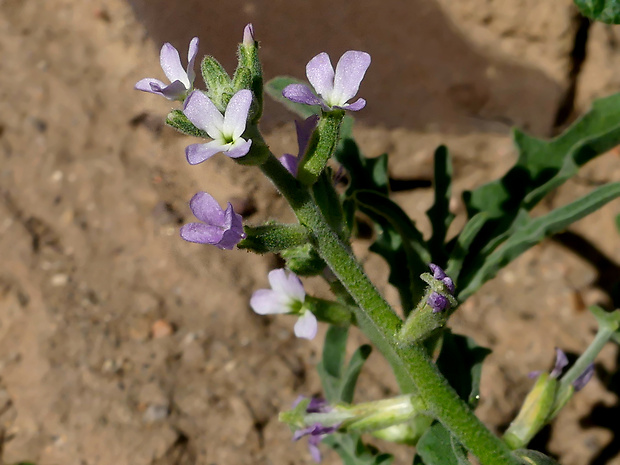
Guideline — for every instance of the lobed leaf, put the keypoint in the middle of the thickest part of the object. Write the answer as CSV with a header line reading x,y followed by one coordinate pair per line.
x,y
439,214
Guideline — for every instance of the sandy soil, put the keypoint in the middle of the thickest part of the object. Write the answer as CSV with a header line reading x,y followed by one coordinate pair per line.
x,y
122,344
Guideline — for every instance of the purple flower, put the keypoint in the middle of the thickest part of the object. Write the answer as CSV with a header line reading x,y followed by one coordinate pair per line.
x,y
304,132
248,35
181,80
561,361
225,130
316,432
584,377
286,295
438,302
334,89
316,404
221,228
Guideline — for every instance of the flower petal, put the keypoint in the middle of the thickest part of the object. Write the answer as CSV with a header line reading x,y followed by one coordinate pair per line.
x,y
584,377
236,114
234,229
266,302
290,162
171,64
191,58
304,132
560,363
300,93
203,113
287,284
201,233
146,85
239,149
350,71
205,208
355,106
197,153
174,91
320,73
306,326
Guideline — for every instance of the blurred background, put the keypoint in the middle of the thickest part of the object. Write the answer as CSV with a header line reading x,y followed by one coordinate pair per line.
x,y
122,344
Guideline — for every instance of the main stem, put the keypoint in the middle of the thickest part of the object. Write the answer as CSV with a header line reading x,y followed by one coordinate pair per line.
x,y
414,370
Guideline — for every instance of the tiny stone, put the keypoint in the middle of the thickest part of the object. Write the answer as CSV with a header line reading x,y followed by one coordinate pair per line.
x,y
155,413
59,280
161,328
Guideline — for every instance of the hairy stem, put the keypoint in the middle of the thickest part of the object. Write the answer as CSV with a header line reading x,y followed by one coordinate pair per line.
x,y
414,370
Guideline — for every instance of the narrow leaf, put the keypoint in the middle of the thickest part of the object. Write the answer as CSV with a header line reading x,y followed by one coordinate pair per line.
x,y
330,368
536,230
435,447
460,361
349,379
353,451
439,214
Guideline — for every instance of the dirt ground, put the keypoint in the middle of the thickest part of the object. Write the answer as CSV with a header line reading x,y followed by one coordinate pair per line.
x,y
122,344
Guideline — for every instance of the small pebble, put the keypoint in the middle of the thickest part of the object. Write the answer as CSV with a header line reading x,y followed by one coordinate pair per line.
x,y
161,328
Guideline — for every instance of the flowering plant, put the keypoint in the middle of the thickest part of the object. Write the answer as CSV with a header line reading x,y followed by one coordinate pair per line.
x,y
438,372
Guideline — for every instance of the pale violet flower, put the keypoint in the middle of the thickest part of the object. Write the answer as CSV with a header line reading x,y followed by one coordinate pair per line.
x,y
221,228
286,295
181,80
248,36
334,89
304,132
225,130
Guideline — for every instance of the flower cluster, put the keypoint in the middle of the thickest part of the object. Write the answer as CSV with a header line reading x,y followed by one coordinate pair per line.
x,y
437,301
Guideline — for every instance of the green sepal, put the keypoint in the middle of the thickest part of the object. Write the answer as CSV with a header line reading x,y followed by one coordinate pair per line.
x,y
329,311
177,120
321,146
217,80
249,63
242,79
303,260
273,237
534,413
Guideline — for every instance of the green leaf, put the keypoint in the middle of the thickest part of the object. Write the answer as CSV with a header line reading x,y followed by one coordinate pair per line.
x,y
541,167
391,218
536,230
389,245
274,89
349,380
460,361
435,447
606,11
439,213
460,245
618,223
330,368
353,451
